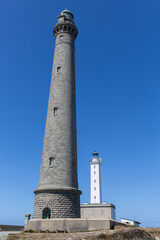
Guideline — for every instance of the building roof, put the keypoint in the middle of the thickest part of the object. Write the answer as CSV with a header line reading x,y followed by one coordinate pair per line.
x,y
97,205
131,220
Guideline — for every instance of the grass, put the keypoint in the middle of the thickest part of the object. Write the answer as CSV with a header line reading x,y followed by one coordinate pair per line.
x,y
118,234
129,234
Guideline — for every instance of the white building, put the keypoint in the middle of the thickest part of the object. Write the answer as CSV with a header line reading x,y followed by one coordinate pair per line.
x,y
95,179
130,222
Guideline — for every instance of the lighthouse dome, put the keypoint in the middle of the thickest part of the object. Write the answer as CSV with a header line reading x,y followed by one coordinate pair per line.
x,y
95,154
67,14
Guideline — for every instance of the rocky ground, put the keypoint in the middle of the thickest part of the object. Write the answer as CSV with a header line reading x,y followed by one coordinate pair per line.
x,y
4,234
119,233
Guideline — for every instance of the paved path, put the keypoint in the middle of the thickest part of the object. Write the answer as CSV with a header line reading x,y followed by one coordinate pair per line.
x,y
4,235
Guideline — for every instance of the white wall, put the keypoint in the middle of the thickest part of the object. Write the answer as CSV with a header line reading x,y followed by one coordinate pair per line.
x,y
95,181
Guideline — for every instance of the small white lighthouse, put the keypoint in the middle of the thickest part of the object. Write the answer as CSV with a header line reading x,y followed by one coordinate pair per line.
x,y
95,179
97,209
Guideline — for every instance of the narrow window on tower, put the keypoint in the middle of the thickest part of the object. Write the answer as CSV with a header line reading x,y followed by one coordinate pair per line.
x,y
55,111
94,166
58,69
94,180
94,197
60,37
94,188
94,172
51,160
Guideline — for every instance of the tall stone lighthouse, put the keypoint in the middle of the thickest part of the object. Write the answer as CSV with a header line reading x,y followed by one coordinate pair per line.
x,y
57,195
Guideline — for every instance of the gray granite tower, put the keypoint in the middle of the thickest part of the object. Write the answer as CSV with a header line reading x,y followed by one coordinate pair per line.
x,y
57,195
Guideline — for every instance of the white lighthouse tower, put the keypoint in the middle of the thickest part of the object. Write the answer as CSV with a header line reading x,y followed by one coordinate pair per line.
x,y
97,209
95,179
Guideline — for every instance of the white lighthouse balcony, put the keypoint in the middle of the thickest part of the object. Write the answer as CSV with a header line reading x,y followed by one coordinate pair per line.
x,y
96,161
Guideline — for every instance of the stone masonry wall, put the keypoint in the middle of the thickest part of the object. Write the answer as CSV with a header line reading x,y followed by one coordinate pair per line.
x,y
60,132
61,204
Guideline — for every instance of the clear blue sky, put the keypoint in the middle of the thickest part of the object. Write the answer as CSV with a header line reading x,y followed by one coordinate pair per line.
x,y
118,113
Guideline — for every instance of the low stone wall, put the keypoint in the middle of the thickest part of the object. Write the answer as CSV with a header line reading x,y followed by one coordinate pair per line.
x,y
70,225
11,228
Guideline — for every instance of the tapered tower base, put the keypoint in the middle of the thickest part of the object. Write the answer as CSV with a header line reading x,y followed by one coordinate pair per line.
x,y
57,204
